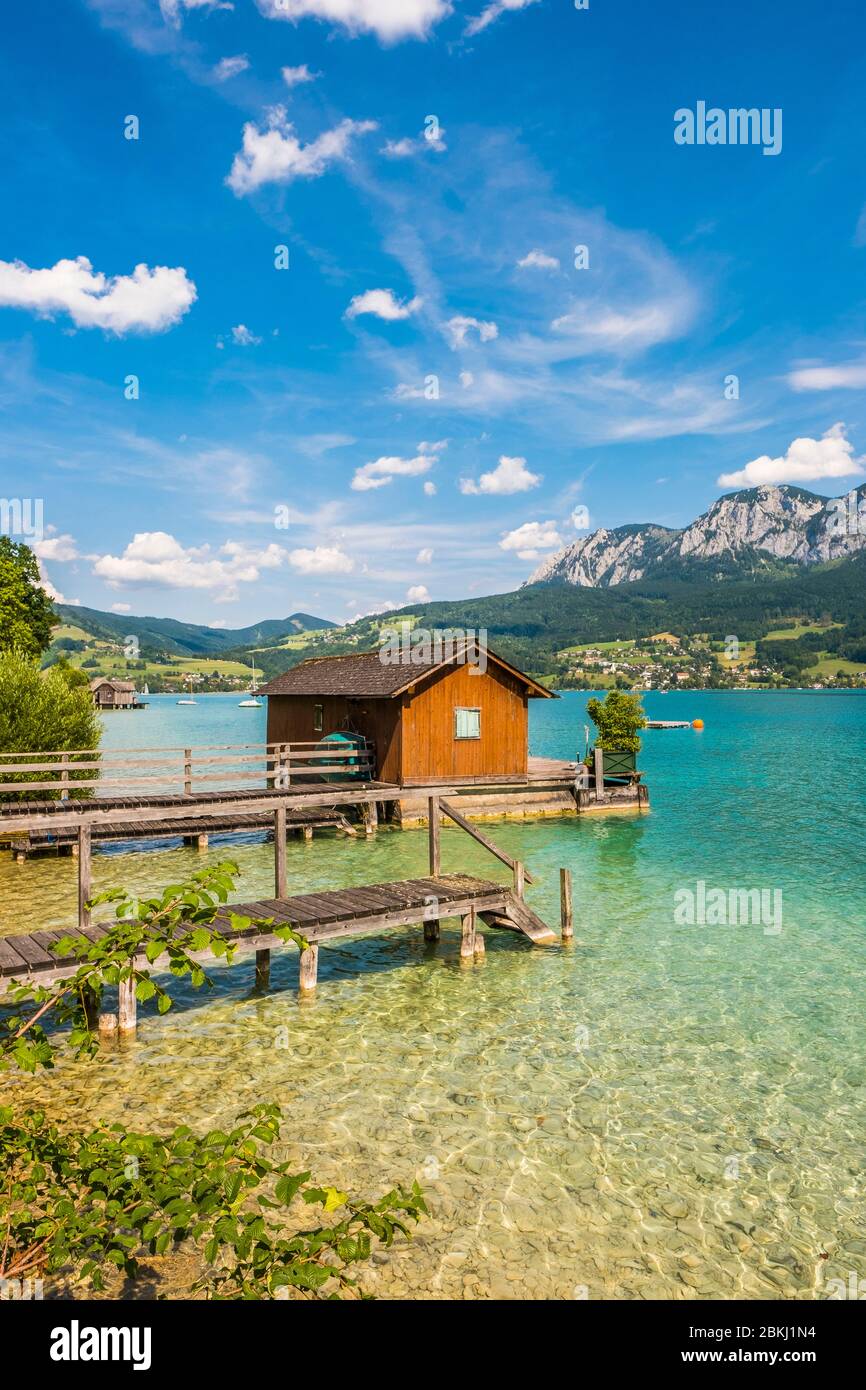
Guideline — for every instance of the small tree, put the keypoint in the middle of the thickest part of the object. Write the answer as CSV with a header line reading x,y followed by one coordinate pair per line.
x,y
618,718
42,711
26,612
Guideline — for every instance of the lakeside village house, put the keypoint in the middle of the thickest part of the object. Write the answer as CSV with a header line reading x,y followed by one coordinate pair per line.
x,y
458,714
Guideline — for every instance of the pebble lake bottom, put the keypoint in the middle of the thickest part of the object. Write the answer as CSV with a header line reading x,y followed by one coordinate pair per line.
x,y
664,1109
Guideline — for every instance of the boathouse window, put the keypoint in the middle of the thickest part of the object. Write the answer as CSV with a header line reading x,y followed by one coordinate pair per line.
x,y
467,723
318,718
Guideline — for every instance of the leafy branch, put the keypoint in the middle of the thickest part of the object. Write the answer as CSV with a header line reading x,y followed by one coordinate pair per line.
x,y
78,1203
175,929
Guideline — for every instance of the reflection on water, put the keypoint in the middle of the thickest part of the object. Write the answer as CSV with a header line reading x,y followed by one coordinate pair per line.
x,y
656,1111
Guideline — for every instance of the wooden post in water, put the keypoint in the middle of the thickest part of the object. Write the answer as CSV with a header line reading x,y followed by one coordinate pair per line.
x,y
187,772
434,836
566,911
126,1010
309,969
371,817
519,879
467,943
263,969
599,775
280,852
84,872
431,922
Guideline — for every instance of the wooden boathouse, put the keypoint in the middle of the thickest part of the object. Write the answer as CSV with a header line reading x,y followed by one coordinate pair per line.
x,y
459,720
111,694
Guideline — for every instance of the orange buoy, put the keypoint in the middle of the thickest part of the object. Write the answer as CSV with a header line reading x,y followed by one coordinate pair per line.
x,y
697,723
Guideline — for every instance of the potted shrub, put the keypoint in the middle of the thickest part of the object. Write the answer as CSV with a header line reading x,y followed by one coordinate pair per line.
x,y
618,718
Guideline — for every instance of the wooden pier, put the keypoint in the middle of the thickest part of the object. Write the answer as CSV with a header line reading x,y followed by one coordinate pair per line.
x,y
319,917
194,831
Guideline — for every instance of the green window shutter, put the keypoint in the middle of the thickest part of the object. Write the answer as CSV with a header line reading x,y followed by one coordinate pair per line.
x,y
467,723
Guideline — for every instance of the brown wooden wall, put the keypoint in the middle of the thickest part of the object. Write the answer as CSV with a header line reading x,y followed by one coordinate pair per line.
x,y
414,735
430,752
290,720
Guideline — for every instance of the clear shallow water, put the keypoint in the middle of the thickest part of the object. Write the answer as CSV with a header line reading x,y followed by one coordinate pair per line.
x,y
657,1111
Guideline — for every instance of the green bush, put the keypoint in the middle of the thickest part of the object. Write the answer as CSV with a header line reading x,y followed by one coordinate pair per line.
x,y
618,718
42,711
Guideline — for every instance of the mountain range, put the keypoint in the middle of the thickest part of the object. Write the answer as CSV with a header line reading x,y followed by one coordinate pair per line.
x,y
756,560
177,638
769,528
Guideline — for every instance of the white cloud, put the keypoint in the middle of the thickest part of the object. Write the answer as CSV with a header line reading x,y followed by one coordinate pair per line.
x,y
383,304
276,155
147,301
457,327
604,329
53,593
294,77
121,608
389,20
431,138
157,558
806,460
243,337
530,539
171,9
844,376
466,380
509,476
429,489
400,149
379,472
538,260
60,548
323,559
424,557
493,11
419,593
231,67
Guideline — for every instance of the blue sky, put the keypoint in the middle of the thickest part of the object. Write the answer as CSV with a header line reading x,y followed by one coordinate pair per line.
x,y
419,402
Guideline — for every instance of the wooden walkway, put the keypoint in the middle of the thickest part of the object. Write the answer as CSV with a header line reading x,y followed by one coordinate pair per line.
x,y
32,840
319,917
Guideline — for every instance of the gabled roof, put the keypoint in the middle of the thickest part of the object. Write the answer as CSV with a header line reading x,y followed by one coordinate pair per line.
x,y
118,686
370,675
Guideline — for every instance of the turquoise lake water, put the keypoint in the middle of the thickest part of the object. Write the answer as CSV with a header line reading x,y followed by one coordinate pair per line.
x,y
661,1110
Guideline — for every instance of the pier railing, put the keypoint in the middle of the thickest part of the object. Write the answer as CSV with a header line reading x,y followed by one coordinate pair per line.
x,y
61,774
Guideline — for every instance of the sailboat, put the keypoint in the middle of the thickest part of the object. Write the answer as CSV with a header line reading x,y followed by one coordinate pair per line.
x,y
252,701
187,699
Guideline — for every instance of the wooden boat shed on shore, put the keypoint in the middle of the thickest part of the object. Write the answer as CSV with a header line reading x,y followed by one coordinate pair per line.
x,y
461,718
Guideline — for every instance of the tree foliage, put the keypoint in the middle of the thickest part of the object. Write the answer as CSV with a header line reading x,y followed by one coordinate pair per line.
x,y
75,1203
618,717
41,711
26,612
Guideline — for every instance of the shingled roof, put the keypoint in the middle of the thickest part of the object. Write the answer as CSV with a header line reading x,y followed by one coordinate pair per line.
x,y
364,675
